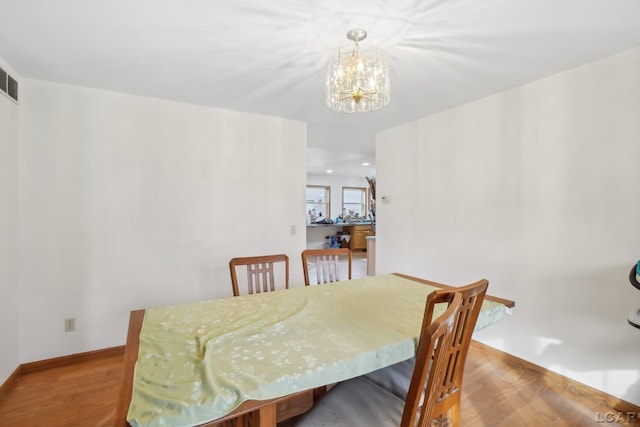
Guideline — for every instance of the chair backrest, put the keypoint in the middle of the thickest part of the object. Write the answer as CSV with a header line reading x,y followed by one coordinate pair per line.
x,y
260,272
449,390
431,362
326,264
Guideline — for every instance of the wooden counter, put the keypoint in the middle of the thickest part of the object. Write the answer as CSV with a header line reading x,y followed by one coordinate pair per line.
x,y
359,233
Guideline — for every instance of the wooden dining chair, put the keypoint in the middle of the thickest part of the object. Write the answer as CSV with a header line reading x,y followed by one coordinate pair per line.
x,y
260,272
397,378
326,263
360,402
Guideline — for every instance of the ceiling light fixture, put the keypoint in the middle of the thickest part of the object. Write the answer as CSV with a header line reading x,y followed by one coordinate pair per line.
x,y
357,81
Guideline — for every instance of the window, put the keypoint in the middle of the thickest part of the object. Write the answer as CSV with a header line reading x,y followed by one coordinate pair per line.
x,y
318,204
354,201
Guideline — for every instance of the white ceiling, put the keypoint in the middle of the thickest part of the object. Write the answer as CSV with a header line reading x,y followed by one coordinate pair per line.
x,y
270,57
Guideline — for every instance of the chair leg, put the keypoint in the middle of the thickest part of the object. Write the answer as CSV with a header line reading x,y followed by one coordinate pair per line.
x,y
455,415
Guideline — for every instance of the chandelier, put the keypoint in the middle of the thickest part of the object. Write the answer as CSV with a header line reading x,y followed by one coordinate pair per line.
x,y
357,81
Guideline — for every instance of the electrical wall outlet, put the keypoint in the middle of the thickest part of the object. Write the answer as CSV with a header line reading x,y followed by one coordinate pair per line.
x,y
70,324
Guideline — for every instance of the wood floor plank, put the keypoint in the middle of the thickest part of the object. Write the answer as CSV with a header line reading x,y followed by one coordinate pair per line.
x,y
504,391
84,393
499,391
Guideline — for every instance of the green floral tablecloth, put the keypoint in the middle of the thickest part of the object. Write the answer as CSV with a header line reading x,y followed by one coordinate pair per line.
x,y
199,361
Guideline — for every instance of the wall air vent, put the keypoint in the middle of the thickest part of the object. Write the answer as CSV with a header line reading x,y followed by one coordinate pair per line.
x,y
12,87
3,80
8,85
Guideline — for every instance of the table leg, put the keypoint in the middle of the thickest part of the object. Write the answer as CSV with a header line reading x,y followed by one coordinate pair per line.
x,y
318,393
265,416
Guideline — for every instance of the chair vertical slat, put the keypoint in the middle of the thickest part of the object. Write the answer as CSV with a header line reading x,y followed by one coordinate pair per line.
x,y
326,266
264,269
319,268
272,279
250,275
336,269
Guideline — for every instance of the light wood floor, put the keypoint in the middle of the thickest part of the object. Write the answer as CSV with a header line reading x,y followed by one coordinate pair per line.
x,y
499,390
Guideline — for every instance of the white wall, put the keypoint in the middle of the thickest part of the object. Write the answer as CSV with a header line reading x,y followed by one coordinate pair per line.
x,y
535,189
9,294
130,202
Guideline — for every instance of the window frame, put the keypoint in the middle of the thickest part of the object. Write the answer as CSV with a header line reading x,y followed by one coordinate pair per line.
x,y
364,202
327,203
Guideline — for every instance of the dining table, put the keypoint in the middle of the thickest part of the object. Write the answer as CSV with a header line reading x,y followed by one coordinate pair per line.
x,y
246,357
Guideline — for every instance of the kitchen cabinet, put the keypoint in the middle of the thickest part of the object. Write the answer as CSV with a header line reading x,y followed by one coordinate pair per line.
x,y
358,233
